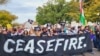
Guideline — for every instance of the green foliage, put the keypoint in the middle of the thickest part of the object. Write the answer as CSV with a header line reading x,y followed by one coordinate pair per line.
x,y
91,9
54,11
6,17
73,10
15,24
58,10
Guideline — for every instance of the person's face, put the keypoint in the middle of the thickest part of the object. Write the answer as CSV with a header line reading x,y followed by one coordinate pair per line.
x,y
44,30
87,28
4,32
82,28
26,33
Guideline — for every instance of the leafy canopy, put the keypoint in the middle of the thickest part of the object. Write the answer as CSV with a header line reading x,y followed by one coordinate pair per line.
x,y
58,10
6,17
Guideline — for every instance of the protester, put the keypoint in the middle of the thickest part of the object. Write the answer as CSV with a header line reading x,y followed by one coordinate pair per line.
x,y
52,30
37,30
14,32
44,32
25,33
32,32
72,31
80,30
20,30
4,31
87,29
97,33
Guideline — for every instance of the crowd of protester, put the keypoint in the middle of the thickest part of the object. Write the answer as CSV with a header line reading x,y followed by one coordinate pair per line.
x,y
52,30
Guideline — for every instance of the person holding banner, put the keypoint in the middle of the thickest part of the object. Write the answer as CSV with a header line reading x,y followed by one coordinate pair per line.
x,y
37,30
32,32
25,33
87,29
14,32
4,31
80,30
44,32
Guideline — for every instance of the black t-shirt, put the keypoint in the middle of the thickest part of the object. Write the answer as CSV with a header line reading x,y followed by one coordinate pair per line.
x,y
44,34
58,30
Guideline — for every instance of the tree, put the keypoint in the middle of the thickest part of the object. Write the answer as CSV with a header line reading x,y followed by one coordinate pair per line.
x,y
6,17
53,12
58,10
16,24
73,10
91,8
3,2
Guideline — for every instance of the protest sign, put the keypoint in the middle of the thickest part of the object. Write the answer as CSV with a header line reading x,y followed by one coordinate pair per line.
x,y
44,46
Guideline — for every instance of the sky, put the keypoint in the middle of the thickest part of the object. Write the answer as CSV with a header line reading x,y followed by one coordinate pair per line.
x,y
24,9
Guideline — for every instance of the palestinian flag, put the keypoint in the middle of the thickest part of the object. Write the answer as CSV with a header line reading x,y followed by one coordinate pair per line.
x,y
82,17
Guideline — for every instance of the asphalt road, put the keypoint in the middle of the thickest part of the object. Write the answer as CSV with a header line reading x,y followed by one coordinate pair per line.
x,y
94,53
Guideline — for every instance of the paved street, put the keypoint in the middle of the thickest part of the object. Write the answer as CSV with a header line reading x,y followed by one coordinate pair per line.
x,y
95,53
